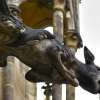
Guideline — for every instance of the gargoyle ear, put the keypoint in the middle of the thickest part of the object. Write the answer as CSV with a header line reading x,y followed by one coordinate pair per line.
x,y
89,57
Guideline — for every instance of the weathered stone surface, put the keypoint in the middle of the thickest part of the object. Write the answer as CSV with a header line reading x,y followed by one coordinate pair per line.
x,y
13,85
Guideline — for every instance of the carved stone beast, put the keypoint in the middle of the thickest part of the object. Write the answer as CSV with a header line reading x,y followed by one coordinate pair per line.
x,y
49,59
88,74
34,47
44,57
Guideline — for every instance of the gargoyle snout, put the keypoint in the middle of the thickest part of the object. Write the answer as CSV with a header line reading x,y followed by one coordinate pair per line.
x,y
96,83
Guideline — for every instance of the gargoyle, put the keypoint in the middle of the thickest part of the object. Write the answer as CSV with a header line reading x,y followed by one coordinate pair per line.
x,y
88,74
44,57
49,59
12,29
34,47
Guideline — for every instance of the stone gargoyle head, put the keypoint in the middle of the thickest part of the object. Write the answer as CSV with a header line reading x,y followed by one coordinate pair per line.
x,y
88,74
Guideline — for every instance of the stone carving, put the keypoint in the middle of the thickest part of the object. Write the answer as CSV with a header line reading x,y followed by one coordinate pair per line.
x,y
49,60
26,44
88,74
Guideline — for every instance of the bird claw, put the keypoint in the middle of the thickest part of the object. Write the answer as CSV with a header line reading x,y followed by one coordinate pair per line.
x,y
46,35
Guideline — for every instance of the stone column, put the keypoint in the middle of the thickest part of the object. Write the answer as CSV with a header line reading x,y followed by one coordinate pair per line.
x,y
71,33
8,87
30,89
58,30
1,83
